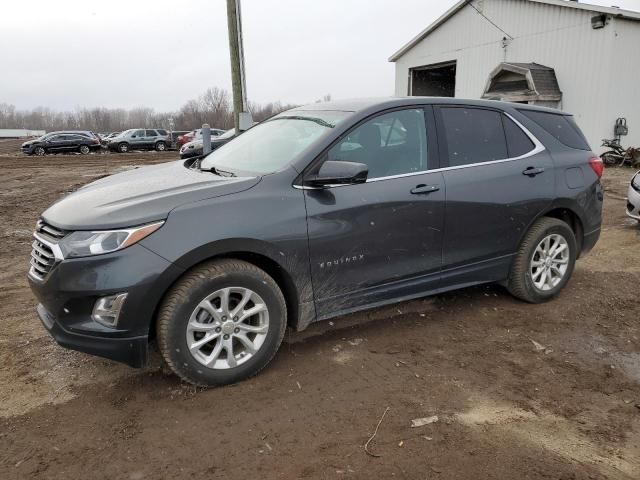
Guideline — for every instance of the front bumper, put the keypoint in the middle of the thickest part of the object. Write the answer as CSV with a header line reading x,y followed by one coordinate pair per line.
x,y
68,293
133,350
633,203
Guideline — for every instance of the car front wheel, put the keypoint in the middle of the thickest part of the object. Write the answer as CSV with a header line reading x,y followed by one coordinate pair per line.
x,y
123,148
161,146
221,323
39,151
84,150
544,262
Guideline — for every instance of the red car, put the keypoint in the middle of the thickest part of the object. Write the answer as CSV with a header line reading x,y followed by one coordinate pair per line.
x,y
197,135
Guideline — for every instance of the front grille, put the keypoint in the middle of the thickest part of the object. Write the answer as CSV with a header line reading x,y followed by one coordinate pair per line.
x,y
50,231
42,259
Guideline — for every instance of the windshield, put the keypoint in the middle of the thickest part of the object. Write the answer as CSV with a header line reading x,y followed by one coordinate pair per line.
x,y
269,146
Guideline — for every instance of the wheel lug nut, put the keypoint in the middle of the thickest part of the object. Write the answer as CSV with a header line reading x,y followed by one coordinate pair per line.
x,y
236,330
218,329
226,337
235,319
224,318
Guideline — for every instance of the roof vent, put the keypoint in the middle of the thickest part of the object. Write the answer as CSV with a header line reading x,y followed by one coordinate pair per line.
x,y
599,21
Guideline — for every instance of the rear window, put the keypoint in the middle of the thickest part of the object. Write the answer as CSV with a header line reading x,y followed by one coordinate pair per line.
x,y
562,127
473,135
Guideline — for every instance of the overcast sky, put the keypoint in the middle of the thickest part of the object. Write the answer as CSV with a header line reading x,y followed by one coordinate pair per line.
x,y
161,53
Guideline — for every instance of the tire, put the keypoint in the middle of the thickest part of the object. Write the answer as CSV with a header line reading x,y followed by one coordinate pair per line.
x,y
522,283
84,150
123,147
160,147
182,308
39,151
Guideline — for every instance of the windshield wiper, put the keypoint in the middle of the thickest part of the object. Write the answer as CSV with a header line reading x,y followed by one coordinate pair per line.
x,y
319,121
219,172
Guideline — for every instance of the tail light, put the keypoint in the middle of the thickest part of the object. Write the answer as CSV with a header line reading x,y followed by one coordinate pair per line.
x,y
96,141
597,166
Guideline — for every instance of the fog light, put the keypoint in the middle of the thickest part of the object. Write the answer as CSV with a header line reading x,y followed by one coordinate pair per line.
x,y
107,309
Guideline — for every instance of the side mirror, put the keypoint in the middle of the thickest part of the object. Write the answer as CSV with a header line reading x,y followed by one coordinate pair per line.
x,y
338,173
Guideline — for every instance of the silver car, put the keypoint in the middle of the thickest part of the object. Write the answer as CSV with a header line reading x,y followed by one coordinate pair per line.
x,y
140,139
633,197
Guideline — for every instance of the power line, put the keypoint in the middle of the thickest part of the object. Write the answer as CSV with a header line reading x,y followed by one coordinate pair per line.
x,y
488,19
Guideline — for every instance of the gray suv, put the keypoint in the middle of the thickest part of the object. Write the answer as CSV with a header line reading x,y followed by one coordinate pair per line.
x,y
140,139
317,212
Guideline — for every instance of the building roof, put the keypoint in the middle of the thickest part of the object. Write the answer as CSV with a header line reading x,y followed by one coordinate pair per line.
x,y
613,11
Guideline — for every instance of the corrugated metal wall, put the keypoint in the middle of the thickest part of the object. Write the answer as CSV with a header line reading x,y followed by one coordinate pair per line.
x,y
598,70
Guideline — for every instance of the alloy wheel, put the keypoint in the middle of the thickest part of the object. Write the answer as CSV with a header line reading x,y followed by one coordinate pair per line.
x,y
549,262
227,328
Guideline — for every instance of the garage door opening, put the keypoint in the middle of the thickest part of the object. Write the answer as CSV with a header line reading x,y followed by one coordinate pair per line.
x,y
438,80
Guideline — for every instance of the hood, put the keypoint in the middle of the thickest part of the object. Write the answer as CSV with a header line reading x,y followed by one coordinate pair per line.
x,y
139,196
30,142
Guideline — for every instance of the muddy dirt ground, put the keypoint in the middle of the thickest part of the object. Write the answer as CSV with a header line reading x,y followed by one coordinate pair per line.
x,y
564,407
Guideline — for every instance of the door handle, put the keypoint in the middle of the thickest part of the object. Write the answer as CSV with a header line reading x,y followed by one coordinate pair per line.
x,y
423,189
532,171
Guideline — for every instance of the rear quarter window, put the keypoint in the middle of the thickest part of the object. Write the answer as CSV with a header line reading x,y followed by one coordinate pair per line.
x,y
562,127
518,142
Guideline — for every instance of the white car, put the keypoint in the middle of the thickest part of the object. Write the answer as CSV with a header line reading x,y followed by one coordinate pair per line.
x,y
633,197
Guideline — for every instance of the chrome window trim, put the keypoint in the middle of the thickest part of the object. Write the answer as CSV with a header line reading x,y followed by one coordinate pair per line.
x,y
538,148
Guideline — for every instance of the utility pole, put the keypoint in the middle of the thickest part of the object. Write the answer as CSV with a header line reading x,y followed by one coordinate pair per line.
x,y
241,117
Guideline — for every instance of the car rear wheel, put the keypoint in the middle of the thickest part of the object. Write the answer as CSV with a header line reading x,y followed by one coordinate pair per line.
x,y
545,261
84,150
161,146
123,147
39,151
221,323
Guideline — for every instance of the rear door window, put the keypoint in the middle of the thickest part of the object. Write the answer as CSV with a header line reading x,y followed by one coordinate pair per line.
x,y
518,142
562,127
151,133
473,135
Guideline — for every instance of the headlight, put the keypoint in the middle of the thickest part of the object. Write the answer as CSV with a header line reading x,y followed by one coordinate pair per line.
x,y
86,243
636,181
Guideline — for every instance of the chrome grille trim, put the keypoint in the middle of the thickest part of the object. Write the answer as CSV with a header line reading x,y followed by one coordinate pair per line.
x,y
46,229
44,256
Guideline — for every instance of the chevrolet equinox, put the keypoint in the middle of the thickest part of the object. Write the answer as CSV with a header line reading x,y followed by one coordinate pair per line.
x,y
320,211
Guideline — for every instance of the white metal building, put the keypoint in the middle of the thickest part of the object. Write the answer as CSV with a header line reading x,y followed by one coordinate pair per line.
x,y
580,58
20,133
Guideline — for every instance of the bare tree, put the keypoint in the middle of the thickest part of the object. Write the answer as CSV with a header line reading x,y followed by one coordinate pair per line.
x,y
212,107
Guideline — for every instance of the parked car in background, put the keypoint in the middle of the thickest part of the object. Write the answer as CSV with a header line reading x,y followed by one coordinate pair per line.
x,y
196,135
320,211
108,137
62,142
174,136
633,197
139,139
195,148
